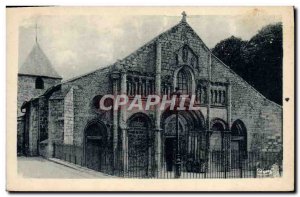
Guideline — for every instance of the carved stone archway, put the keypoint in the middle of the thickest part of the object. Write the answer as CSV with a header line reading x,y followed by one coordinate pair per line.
x,y
192,138
140,145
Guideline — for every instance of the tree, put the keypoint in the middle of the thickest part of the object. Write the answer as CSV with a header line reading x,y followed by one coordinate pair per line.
x,y
258,61
230,51
263,55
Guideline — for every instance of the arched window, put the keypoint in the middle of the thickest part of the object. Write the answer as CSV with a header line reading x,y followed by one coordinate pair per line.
x,y
39,83
184,82
185,53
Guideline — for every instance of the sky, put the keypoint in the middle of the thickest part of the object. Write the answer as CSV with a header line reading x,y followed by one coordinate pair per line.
x,y
79,44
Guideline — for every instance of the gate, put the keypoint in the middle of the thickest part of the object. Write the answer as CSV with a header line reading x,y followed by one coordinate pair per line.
x,y
93,153
140,147
98,154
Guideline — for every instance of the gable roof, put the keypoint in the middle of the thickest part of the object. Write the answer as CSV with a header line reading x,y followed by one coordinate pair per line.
x,y
132,55
161,36
143,47
38,64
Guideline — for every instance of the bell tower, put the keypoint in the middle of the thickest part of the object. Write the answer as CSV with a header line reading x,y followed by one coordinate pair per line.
x,y
35,75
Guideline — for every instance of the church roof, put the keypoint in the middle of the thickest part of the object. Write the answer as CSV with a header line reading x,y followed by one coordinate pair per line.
x,y
38,64
117,65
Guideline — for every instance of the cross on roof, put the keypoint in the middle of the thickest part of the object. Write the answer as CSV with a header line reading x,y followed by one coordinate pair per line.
x,y
36,29
183,16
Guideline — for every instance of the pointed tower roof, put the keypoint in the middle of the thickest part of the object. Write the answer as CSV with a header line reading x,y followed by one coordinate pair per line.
x,y
38,64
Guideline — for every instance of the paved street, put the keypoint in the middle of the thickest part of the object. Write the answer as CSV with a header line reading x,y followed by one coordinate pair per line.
x,y
37,167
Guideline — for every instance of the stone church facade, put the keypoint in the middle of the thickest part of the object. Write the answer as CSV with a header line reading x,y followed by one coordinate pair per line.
x,y
232,116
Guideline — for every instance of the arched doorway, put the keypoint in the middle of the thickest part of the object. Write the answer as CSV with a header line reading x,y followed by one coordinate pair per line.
x,y
95,145
170,140
238,143
216,136
217,153
192,144
140,145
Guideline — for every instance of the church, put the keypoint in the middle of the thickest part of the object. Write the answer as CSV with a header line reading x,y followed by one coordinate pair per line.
x,y
62,119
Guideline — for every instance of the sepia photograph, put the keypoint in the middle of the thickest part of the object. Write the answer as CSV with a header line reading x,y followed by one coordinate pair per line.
x,y
198,96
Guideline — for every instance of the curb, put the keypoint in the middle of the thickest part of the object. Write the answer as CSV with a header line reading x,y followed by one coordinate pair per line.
x,y
79,168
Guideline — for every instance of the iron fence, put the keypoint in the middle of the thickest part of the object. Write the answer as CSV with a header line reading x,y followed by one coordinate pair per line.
x,y
69,153
197,165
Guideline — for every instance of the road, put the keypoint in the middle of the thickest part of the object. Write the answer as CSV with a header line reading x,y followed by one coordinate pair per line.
x,y
37,167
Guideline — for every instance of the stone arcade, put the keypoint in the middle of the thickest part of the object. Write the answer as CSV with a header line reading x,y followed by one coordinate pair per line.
x,y
233,115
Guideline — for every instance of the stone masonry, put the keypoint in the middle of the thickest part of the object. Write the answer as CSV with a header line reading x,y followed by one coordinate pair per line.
x,y
225,100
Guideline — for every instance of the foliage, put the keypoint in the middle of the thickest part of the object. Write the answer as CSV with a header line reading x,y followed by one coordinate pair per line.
x,y
258,61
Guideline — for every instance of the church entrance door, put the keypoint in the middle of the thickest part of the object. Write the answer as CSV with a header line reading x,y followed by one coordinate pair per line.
x,y
95,144
140,147
170,152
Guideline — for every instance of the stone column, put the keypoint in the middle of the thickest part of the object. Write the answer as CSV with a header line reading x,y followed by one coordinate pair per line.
x,y
122,123
141,86
147,87
136,83
228,104
169,90
228,137
157,109
208,115
128,87
197,94
115,82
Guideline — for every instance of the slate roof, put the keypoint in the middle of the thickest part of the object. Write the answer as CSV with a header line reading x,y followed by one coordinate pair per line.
x,y
38,64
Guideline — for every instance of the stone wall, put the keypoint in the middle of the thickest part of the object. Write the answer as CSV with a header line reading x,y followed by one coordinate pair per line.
x,y
27,91
43,149
33,129
176,38
20,135
68,117
35,126
262,118
71,108
85,88
55,124
143,60
43,118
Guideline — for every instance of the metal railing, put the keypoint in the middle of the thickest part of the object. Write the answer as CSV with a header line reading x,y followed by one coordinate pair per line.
x,y
195,165
69,153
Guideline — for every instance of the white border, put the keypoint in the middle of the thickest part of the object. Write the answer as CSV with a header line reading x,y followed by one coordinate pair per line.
x,y
3,4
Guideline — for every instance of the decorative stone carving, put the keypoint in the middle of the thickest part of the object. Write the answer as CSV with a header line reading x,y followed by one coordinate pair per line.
x,y
186,56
